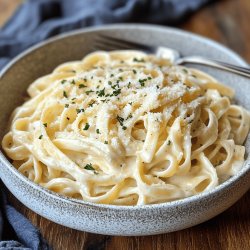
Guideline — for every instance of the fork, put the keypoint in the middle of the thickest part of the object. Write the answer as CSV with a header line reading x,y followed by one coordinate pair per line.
x,y
104,42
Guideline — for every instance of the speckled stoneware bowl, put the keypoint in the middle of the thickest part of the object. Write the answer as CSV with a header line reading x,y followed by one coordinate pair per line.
x,y
109,219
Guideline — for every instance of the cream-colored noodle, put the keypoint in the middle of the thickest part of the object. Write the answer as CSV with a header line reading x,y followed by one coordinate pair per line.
x,y
127,128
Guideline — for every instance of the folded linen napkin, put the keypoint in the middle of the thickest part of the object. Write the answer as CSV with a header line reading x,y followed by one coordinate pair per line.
x,y
37,20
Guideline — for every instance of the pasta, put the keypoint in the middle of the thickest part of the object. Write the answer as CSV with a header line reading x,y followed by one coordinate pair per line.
x,y
127,128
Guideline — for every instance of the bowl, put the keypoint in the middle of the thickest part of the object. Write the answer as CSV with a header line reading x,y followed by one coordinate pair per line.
x,y
110,219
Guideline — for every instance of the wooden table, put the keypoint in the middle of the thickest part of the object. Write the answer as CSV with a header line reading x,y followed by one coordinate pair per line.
x,y
228,23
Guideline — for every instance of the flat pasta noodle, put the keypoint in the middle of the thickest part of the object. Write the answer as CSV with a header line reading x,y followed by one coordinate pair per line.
x,y
127,128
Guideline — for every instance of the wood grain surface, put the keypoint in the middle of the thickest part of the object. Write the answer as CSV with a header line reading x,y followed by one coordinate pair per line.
x,y
228,23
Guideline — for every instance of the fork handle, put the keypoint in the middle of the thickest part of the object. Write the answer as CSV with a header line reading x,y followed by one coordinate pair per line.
x,y
215,64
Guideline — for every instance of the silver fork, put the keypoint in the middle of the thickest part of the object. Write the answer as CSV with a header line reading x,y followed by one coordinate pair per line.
x,y
108,43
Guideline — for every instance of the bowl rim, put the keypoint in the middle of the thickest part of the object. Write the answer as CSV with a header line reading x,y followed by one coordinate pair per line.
x,y
72,201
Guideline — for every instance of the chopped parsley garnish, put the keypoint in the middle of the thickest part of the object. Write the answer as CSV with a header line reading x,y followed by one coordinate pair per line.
x,y
112,75
120,78
101,92
109,83
114,86
40,137
149,78
124,127
138,60
79,111
65,94
120,120
98,131
73,82
89,91
85,80
134,71
117,92
142,82
185,71
68,118
45,125
63,81
169,142
86,126
89,166
129,85
66,105
106,142
82,86
130,116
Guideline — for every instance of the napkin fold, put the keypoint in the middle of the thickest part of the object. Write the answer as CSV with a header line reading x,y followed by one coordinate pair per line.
x,y
37,20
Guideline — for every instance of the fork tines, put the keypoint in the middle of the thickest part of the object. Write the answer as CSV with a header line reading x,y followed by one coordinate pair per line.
x,y
105,42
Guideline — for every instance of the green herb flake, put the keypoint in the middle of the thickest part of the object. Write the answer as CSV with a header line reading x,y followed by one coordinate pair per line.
x,y
40,137
79,111
86,126
138,60
82,86
106,142
101,92
130,116
98,131
169,142
117,92
134,71
63,81
142,82
124,127
89,91
120,119
112,75
45,125
185,71
66,105
73,82
65,94
89,166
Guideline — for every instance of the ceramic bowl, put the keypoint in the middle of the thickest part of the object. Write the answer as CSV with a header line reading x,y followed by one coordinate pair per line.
x,y
110,219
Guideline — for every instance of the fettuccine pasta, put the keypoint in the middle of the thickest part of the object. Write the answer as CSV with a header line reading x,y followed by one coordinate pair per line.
x,y
127,128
